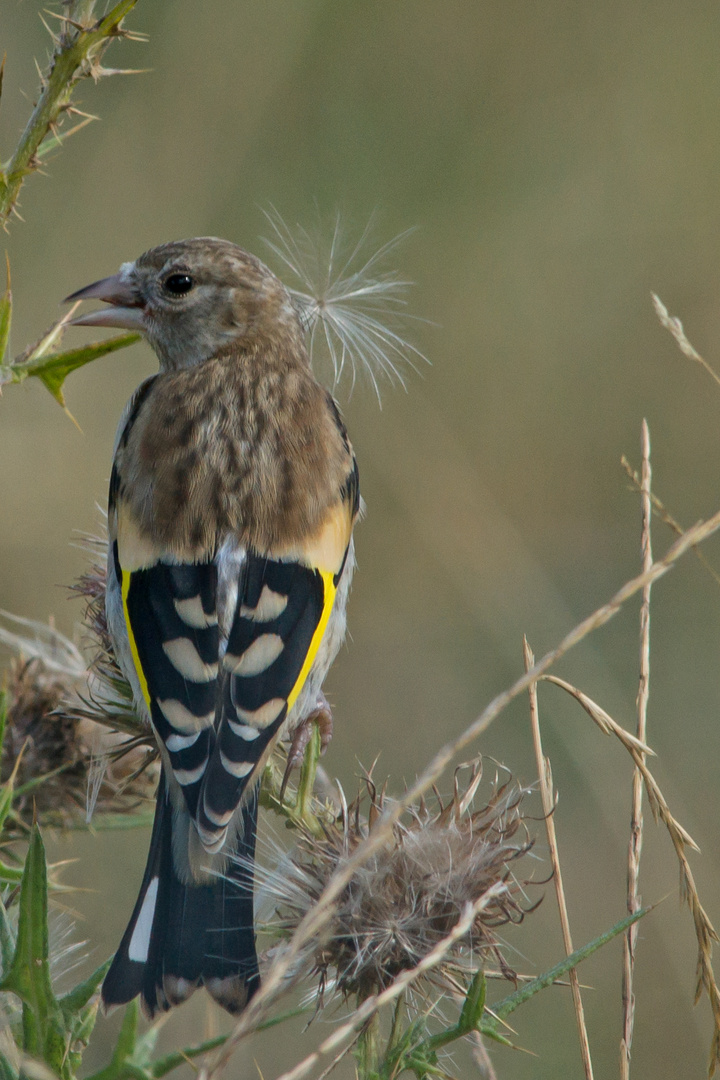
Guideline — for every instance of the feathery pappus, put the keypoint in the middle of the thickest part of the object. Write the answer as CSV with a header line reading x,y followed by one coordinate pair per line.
x,y
233,496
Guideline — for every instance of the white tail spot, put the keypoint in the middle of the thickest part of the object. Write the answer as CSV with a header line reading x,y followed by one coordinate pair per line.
x,y
140,940
263,716
237,768
182,742
243,730
181,718
189,776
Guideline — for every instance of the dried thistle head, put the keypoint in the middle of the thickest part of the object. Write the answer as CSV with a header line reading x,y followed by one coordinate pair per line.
x,y
46,747
353,308
71,734
408,898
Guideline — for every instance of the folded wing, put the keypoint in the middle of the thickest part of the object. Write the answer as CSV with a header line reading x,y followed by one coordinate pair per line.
x,y
282,613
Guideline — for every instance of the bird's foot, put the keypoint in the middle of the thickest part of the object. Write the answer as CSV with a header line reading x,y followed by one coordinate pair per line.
x,y
322,716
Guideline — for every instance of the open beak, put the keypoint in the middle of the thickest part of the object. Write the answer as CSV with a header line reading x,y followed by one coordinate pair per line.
x,y
127,312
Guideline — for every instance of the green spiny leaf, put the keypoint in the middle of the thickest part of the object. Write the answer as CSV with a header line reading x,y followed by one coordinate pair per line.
x,y
6,800
7,939
12,875
54,369
76,1000
166,1064
474,1003
7,1072
503,1008
44,1035
125,1047
3,716
145,1047
29,974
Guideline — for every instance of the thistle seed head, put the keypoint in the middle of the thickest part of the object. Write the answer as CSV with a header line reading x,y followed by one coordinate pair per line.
x,y
353,309
71,734
407,898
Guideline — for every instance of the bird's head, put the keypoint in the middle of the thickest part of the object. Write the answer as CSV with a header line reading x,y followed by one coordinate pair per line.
x,y
195,299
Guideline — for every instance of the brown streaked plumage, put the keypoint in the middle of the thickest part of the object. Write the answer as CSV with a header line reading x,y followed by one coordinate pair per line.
x,y
244,443
232,501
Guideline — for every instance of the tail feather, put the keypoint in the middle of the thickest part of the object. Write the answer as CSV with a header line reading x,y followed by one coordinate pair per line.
x,y
181,936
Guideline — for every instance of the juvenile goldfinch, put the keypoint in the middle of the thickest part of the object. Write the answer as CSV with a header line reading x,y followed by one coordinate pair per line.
x,y
233,495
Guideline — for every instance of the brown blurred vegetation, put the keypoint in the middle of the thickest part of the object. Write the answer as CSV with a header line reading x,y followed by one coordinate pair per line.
x,y
561,161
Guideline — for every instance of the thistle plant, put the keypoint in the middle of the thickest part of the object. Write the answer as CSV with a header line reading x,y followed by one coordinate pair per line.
x,y
398,909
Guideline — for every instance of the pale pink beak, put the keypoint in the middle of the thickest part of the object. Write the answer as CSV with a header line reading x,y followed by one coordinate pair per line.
x,y
128,311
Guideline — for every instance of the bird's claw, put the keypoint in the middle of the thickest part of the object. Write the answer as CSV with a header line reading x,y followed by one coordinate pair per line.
x,y
322,716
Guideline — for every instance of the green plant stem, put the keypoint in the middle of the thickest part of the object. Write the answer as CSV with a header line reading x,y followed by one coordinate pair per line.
x,y
306,784
367,1053
300,808
67,66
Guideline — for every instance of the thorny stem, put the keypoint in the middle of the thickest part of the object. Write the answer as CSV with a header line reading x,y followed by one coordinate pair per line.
x,y
548,801
636,820
72,54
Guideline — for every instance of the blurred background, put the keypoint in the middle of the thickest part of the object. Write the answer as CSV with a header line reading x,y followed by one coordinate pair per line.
x,y
560,161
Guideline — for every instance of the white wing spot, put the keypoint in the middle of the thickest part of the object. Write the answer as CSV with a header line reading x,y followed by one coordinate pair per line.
x,y
140,940
270,606
237,768
182,742
185,658
257,657
244,730
263,716
191,612
189,776
211,841
181,718
217,819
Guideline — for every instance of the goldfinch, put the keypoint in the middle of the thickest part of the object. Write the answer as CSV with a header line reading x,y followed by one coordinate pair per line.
x,y
233,495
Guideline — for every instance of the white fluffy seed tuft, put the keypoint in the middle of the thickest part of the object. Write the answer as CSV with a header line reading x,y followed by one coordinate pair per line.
x,y
353,310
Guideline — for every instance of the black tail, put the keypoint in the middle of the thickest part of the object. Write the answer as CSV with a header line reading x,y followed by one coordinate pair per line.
x,y
183,936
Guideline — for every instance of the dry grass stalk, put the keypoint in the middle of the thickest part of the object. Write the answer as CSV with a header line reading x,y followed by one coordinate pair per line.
x,y
673,324
636,819
316,920
681,840
371,1005
664,514
548,802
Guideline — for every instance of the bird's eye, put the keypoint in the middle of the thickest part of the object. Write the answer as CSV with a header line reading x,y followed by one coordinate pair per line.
x,y
178,284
